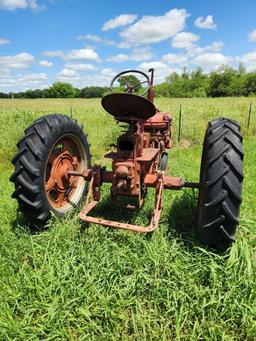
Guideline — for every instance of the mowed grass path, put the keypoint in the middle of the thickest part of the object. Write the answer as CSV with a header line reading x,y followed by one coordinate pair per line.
x,y
68,282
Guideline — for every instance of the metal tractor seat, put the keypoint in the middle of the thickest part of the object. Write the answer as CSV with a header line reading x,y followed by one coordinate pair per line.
x,y
128,107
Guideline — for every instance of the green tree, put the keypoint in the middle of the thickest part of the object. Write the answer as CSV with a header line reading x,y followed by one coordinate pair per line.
x,y
176,85
62,90
130,81
198,84
238,85
3,95
250,84
92,92
220,82
162,89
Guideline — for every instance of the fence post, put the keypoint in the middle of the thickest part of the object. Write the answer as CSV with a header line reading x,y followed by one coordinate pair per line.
x,y
249,116
179,131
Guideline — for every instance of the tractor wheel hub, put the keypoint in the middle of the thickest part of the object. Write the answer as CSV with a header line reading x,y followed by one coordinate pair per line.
x,y
64,163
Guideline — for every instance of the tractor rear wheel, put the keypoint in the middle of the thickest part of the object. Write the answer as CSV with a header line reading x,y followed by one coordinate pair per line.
x,y
220,184
52,146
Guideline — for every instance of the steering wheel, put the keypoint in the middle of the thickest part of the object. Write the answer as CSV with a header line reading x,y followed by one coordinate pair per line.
x,y
129,87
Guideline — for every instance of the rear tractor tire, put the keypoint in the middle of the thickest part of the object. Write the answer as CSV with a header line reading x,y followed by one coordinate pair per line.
x,y
52,146
221,180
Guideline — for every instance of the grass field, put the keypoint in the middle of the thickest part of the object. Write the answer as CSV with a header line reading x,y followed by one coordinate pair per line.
x,y
73,283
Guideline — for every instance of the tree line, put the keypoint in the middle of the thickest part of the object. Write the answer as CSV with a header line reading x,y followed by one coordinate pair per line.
x,y
223,82
220,83
59,90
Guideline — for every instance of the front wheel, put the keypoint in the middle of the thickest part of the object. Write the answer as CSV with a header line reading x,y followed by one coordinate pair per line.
x,y
52,146
221,179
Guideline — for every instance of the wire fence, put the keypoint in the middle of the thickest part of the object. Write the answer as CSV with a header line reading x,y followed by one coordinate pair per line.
x,y
189,128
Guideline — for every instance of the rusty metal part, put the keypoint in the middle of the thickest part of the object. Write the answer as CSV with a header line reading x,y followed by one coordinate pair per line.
x,y
170,182
60,187
151,92
85,174
159,120
131,227
136,163
127,107
159,128
148,154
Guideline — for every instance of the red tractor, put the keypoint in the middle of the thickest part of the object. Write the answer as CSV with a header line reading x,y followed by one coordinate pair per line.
x,y
53,169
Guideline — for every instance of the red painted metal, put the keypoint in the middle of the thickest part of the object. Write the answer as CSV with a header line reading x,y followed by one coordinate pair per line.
x,y
59,184
135,163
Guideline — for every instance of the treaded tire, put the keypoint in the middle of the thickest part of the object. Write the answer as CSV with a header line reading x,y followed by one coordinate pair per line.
x,y
221,180
31,161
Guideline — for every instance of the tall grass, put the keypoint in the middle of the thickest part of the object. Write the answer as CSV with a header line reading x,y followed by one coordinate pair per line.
x,y
76,282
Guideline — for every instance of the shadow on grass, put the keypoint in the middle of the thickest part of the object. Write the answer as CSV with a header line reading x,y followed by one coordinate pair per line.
x,y
106,209
182,219
183,223
24,225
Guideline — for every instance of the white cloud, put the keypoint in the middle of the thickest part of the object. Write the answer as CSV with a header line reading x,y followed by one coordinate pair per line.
x,y
81,54
162,70
141,54
211,60
23,82
252,36
123,45
137,55
207,23
11,5
119,58
119,45
4,41
67,75
93,80
102,78
33,4
216,46
91,37
154,65
4,73
184,39
45,63
18,61
80,67
121,20
153,29
194,49
173,58
207,55
55,53
33,78
108,42
249,61
108,72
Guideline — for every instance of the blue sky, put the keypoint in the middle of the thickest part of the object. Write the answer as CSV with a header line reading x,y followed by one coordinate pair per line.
x,y
87,42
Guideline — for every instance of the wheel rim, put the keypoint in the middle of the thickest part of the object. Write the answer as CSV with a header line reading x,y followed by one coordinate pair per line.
x,y
62,190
